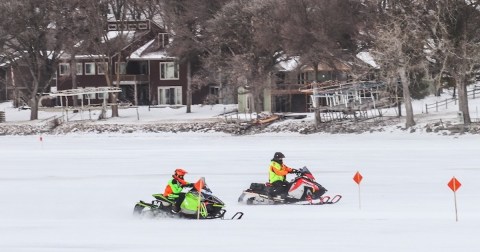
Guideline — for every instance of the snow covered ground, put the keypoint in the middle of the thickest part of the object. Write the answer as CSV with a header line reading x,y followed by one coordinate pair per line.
x,y
77,192
209,113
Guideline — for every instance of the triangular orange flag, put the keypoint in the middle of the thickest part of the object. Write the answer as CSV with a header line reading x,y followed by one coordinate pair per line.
x,y
200,184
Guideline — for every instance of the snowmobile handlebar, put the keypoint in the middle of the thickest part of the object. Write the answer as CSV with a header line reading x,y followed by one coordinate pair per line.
x,y
297,172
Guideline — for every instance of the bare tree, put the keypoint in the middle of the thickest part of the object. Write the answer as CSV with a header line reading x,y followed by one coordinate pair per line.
x,y
147,9
325,32
399,46
243,42
108,48
186,20
455,34
33,36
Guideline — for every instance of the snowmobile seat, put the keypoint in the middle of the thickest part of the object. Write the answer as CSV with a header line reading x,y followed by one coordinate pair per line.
x,y
164,200
257,187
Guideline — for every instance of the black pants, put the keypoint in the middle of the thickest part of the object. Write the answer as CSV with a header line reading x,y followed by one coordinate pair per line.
x,y
178,201
279,188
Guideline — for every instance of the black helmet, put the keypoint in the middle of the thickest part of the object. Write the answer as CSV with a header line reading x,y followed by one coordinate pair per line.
x,y
278,155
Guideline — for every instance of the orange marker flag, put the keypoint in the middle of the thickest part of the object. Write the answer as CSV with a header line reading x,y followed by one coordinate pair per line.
x,y
454,184
199,186
358,178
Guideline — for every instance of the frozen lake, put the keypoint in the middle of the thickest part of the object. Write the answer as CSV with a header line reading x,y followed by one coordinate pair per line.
x,y
77,192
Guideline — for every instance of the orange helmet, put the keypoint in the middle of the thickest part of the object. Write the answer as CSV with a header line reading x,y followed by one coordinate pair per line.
x,y
179,173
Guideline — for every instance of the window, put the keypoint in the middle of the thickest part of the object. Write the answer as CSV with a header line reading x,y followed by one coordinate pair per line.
x,y
143,68
79,68
168,71
170,95
213,90
132,27
112,27
143,26
101,67
162,39
89,68
120,68
212,97
64,69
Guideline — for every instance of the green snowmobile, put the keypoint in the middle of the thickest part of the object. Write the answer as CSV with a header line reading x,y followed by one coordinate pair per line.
x,y
207,207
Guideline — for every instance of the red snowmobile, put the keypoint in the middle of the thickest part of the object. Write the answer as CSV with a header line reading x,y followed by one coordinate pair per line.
x,y
303,190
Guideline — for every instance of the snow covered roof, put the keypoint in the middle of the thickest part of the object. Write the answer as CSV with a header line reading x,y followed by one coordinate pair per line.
x,y
367,58
288,65
66,56
141,54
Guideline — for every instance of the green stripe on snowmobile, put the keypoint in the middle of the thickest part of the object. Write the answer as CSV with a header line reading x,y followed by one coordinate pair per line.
x,y
203,210
160,196
143,204
218,205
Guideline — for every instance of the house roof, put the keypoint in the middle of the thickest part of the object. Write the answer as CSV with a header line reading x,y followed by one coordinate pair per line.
x,y
149,52
288,65
67,56
367,58
338,65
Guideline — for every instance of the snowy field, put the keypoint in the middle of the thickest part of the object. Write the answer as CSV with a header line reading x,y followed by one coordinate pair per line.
x,y
76,192
215,113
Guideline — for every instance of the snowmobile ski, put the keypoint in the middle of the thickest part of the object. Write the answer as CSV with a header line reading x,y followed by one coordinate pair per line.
x,y
325,200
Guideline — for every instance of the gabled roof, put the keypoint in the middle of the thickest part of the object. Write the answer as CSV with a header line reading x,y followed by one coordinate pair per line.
x,y
141,37
288,65
150,51
367,58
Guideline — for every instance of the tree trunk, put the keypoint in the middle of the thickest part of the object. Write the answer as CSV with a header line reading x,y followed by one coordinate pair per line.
x,y
189,87
318,117
114,101
463,97
406,97
33,103
113,96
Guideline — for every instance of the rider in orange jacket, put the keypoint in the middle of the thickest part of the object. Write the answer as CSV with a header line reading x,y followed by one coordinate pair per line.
x,y
277,176
173,190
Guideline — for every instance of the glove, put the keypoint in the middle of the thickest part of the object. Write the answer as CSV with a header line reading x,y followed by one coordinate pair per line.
x,y
294,171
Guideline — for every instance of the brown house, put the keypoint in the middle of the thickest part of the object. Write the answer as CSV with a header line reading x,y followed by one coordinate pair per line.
x,y
290,93
143,70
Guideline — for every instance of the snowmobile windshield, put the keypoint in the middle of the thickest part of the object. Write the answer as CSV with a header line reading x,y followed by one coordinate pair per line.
x,y
214,199
306,172
206,189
